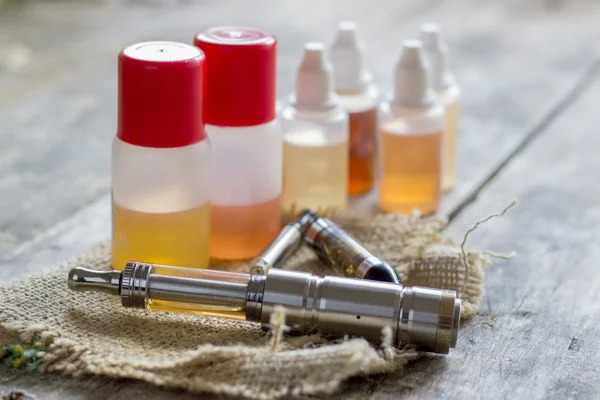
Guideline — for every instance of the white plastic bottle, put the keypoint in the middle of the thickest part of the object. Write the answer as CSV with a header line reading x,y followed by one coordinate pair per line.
x,y
160,158
411,138
360,98
315,140
448,93
239,112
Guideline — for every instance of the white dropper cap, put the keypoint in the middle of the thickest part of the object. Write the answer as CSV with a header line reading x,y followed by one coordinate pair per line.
x,y
347,56
314,82
411,84
435,53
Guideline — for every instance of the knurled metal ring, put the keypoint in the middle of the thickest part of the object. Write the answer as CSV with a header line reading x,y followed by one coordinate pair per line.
x,y
134,284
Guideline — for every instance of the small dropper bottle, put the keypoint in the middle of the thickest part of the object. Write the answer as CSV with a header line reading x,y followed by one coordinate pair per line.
x,y
360,98
315,140
411,136
448,93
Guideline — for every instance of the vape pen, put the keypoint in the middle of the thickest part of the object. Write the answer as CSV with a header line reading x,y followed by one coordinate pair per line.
x,y
284,245
348,257
333,306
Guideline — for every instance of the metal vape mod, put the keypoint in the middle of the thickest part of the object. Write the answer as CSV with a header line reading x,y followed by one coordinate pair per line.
x,y
285,244
348,257
333,306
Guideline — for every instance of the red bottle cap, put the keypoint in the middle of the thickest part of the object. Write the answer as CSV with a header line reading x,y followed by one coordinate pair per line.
x,y
239,86
160,94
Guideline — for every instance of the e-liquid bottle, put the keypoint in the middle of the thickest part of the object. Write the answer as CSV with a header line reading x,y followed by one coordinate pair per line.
x,y
448,93
160,158
411,135
315,140
239,112
360,98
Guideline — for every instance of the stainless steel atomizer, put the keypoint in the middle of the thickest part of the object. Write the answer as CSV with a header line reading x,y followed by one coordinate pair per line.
x,y
285,244
331,243
333,306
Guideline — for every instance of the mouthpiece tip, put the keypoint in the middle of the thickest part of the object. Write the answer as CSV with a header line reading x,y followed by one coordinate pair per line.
x,y
83,279
383,272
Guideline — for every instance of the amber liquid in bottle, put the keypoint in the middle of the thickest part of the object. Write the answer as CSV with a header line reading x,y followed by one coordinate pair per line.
x,y
363,145
176,238
230,226
411,171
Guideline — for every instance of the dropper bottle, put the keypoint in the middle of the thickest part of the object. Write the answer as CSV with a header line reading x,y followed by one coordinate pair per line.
x,y
315,140
411,136
360,98
448,93
160,158
239,111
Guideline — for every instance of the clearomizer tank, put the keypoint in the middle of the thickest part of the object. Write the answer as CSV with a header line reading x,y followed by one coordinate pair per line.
x,y
348,257
333,306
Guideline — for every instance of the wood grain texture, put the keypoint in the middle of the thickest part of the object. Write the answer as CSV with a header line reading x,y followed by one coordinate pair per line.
x,y
520,64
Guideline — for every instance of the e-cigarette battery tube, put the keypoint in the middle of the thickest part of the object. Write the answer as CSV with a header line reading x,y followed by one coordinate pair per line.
x,y
348,257
333,306
285,244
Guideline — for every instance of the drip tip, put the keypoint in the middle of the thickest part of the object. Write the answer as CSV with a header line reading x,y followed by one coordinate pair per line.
x,y
412,85
88,280
314,82
347,57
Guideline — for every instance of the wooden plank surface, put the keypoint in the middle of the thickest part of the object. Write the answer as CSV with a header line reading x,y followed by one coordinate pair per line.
x,y
521,64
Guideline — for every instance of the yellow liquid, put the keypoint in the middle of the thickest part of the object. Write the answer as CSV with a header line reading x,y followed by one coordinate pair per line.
x,y
208,310
452,110
178,238
230,303
315,177
411,172
242,232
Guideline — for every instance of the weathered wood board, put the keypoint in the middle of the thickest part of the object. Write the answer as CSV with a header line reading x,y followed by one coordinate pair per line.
x,y
525,68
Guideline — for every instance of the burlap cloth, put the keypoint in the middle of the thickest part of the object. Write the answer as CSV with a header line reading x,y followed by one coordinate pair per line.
x,y
90,333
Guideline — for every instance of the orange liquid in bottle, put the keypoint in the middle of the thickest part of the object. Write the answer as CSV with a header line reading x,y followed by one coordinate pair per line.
x,y
411,172
241,232
177,238
363,144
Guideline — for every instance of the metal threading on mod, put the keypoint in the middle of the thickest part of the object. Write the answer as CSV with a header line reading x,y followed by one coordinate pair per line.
x,y
134,282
